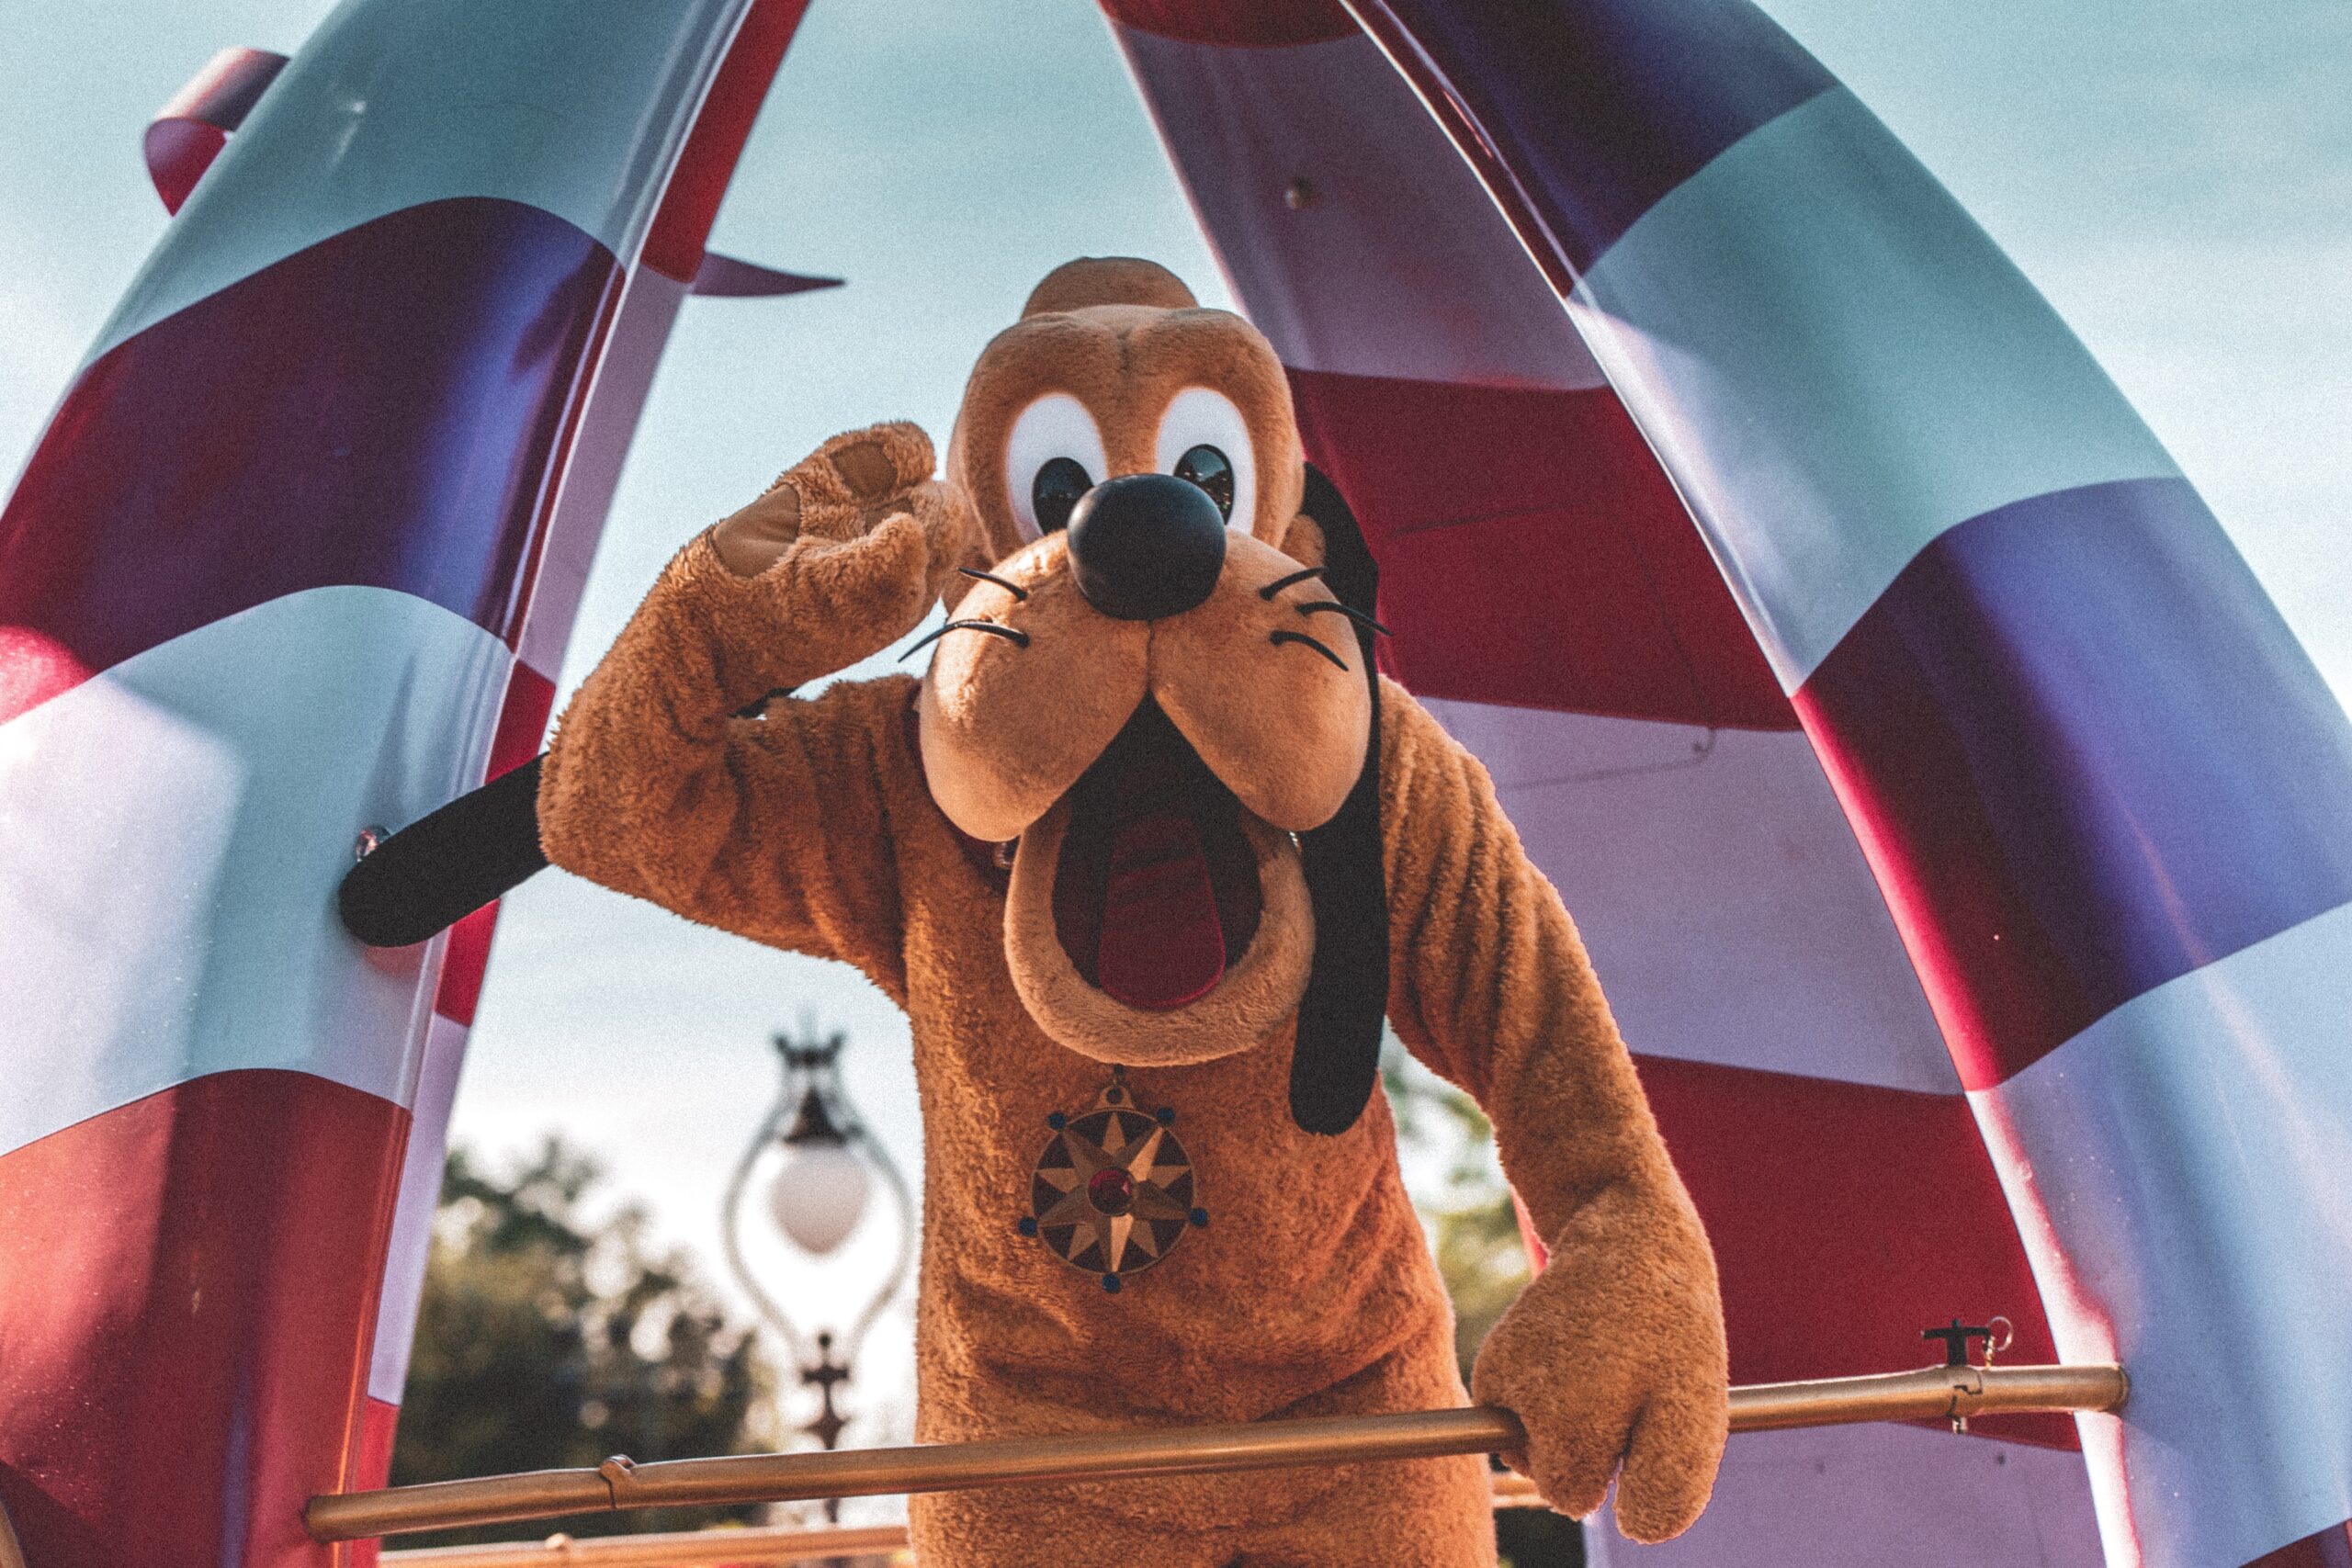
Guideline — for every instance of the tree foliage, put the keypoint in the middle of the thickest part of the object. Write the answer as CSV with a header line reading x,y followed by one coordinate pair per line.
x,y
550,1339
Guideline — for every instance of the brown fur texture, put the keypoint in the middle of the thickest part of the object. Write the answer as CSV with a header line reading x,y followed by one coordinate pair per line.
x,y
830,825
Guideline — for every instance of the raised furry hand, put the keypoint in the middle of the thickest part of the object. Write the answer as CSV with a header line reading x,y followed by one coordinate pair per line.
x,y
864,535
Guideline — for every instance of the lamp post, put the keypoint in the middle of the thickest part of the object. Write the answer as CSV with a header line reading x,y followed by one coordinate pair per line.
x,y
819,1192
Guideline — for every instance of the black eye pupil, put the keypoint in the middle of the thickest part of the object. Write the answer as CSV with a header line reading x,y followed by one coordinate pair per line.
x,y
1055,490
1206,467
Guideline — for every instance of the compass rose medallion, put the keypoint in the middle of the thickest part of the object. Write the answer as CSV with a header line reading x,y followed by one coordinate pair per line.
x,y
1113,1191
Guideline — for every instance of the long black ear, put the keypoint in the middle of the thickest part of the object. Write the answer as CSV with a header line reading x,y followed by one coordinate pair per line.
x,y
441,868
1337,1059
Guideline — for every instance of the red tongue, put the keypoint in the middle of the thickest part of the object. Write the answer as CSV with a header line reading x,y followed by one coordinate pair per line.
x,y
1161,945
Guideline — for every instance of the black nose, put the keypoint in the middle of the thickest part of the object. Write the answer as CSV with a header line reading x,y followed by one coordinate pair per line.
x,y
1144,546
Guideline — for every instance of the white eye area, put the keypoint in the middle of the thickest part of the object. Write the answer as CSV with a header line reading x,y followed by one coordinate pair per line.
x,y
1055,426
1199,417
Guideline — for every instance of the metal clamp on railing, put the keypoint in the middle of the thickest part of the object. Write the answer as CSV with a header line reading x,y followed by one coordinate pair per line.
x,y
1932,1394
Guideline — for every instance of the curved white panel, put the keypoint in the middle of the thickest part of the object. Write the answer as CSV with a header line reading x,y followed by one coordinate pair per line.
x,y
1836,365
575,108
2183,1168
1728,907
1350,230
420,1200
1877,1495
172,833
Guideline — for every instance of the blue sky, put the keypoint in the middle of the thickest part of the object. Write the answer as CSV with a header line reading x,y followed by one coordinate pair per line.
x,y
2176,177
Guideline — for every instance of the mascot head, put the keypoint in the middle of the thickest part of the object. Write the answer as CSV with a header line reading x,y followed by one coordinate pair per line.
x,y
1155,685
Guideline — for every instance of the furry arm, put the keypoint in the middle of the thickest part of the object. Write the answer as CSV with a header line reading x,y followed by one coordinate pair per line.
x,y
1615,1354
776,827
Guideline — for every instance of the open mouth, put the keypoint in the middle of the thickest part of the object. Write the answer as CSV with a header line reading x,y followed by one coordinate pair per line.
x,y
1156,892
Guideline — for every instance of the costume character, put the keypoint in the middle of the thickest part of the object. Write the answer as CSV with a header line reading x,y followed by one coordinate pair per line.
x,y
1146,856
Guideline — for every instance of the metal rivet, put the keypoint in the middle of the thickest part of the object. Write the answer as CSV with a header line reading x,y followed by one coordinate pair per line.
x,y
1300,194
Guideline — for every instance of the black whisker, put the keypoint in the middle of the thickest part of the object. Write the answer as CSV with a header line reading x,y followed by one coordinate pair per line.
x,y
1333,605
1020,636
1279,637
1278,585
1020,595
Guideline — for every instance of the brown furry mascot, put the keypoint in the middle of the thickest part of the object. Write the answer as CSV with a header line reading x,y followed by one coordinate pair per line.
x,y
1145,856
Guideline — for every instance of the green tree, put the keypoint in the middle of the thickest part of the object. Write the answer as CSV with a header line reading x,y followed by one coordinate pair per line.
x,y
546,1339
1474,1231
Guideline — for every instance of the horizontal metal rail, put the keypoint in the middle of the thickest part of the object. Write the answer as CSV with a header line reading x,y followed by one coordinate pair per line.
x,y
725,1545
1931,1393
759,1548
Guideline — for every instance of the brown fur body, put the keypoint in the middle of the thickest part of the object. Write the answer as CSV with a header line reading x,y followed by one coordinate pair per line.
x,y
820,827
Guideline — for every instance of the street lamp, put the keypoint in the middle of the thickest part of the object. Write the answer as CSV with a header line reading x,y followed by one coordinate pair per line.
x,y
825,1166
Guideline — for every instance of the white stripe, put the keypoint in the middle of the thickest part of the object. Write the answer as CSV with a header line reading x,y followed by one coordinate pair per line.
x,y
428,1146
2182,1173
1728,907
1837,365
578,108
172,832
1397,263
1870,1497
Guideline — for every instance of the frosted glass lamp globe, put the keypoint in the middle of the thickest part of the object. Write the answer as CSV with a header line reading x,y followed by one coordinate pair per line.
x,y
820,1194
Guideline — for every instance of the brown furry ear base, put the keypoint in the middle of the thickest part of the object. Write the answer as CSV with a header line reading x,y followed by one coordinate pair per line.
x,y
1108,280
1337,1057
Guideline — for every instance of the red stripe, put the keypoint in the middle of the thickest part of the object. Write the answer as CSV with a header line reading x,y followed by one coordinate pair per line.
x,y
177,154
371,1467
521,724
522,721
33,669
1846,1218
2086,757
1251,23
1580,118
2331,1548
188,132
371,1463
389,407
682,224
463,964
187,1319
1532,554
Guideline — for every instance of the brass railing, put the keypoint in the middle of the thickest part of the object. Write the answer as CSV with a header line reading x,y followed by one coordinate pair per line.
x,y
723,1546
1931,1393
760,1548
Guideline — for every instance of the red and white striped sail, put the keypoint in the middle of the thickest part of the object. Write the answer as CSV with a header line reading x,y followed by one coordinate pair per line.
x,y
1955,826
297,556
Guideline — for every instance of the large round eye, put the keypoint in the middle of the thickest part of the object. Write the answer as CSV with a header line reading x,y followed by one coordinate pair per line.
x,y
1206,465
1052,456
1055,491
1203,439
